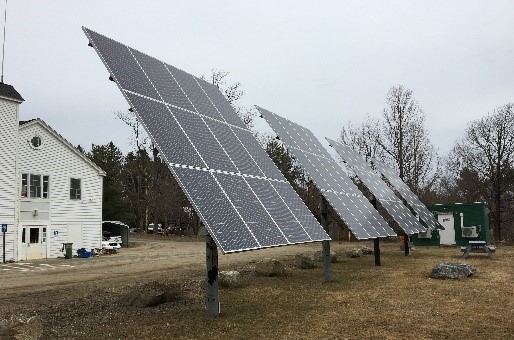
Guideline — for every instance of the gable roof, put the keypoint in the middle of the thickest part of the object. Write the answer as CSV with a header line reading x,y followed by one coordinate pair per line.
x,y
8,92
28,123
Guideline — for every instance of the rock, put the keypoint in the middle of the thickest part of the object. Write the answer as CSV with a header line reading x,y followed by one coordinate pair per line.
x,y
319,256
151,299
353,253
270,267
229,278
452,271
26,329
304,261
366,251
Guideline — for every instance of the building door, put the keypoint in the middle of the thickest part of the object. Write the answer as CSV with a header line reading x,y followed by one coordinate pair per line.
x,y
33,242
446,236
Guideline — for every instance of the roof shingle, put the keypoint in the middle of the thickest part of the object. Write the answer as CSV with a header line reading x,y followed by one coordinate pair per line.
x,y
8,91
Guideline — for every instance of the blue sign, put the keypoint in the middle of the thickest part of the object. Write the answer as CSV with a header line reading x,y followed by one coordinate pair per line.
x,y
4,228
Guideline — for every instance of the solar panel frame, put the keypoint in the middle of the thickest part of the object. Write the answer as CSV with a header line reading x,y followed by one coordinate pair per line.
x,y
340,192
390,202
181,124
412,200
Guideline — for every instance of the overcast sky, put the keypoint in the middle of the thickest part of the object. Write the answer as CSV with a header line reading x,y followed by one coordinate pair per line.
x,y
318,63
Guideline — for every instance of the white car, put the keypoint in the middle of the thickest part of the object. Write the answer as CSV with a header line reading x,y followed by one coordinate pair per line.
x,y
111,245
151,226
111,242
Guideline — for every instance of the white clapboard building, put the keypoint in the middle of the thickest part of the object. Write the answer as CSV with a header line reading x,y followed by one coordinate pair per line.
x,y
50,193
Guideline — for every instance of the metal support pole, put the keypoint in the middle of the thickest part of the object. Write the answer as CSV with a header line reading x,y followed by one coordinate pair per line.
x,y
376,242
3,242
327,272
406,245
376,251
213,302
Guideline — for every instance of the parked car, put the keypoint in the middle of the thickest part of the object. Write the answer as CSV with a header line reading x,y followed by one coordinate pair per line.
x,y
150,229
110,242
111,245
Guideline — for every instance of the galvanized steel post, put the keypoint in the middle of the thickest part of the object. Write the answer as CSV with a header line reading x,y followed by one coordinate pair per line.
x,y
327,272
376,242
213,302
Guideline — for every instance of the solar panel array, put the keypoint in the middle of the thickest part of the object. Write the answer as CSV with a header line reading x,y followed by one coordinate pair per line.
x,y
342,194
391,203
243,199
405,192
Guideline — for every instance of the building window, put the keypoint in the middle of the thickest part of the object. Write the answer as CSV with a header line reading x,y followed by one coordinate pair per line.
x,y
36,141
35,186
24,185
75,192
46,181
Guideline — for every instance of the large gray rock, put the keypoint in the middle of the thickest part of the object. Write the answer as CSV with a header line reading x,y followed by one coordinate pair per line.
x,y
319,256
26,329
366,251
230,278
452,271
270,267
304,261
353,253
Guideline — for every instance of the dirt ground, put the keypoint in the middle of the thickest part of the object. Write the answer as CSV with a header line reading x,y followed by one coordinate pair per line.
x,y
90,298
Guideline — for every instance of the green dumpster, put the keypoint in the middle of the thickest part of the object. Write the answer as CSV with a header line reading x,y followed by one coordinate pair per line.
x,y
68,251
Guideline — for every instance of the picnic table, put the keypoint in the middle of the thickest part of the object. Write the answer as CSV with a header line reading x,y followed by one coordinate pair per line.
x,y
478,247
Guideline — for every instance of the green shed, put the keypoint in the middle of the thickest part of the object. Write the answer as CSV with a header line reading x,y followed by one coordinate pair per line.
x,y
462,222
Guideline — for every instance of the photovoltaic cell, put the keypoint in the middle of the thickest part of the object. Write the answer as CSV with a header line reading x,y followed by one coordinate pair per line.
x,y
265,164
412,200
123,67
342,194
225,225
219,101
158,118
228,177
204,141
163,81
391,203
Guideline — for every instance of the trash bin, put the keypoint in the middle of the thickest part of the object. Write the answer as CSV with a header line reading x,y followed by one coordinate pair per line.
x,y
68,251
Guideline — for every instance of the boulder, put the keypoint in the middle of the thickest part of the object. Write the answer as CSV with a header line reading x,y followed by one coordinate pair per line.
x,y
353,253
229,278
27,329
151,299
452,271
304,261
366,251
319,256
269,267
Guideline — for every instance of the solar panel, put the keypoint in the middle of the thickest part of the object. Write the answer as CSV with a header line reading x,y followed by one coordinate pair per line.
x,y
391,203
412,200
342,194
243,199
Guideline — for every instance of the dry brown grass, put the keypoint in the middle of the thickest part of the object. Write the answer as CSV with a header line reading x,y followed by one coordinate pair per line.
x,y
397,300
394,301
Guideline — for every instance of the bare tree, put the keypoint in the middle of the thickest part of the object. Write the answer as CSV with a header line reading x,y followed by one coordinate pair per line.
x,y
405,139
487,150
364,138
139,139
399,138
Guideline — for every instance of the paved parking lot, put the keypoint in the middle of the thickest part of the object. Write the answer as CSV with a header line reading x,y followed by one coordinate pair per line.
x,y
31,266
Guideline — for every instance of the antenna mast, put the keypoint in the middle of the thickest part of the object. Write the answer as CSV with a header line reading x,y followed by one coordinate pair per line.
x,y
3,43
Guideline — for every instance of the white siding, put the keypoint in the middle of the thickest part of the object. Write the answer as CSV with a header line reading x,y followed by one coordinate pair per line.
x,y
8,198
55,159
56,237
